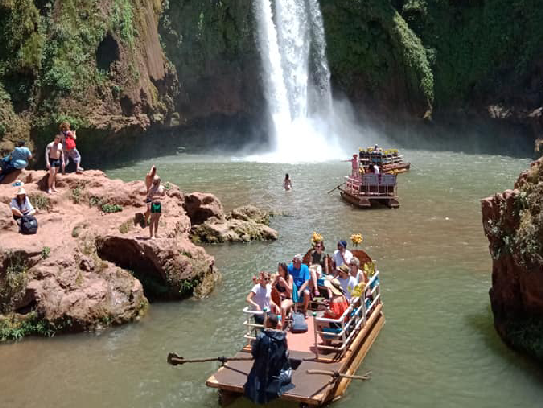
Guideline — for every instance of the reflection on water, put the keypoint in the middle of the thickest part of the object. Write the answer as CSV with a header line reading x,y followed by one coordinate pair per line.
x,y
438,347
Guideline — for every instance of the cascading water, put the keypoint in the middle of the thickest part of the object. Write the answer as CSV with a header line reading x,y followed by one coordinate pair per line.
x,y
299,101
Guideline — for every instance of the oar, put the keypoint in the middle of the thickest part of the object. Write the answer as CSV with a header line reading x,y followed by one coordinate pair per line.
x,y
174,359
337,374
339,185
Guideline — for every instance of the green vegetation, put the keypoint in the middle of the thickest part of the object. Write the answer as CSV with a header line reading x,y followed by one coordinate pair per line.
x,y
111,208
13,282
125,227
76,194
16,327
40,201
45,252
526,334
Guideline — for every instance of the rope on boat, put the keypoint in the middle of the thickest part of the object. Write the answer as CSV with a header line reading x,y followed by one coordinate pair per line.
x,y
337,374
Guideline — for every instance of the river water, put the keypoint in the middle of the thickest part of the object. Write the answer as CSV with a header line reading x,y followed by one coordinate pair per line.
x,y
437,348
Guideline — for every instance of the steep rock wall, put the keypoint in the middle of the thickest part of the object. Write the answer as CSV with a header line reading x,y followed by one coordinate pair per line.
x,y
513,224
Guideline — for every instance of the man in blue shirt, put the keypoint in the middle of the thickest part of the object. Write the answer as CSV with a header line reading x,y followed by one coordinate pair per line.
x,y
17,160
300,276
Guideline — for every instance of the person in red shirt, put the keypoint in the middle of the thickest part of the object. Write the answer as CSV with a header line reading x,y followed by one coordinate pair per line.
x,y
337,305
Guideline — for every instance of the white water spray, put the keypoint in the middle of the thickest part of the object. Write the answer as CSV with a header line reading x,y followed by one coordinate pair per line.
x,y
299,101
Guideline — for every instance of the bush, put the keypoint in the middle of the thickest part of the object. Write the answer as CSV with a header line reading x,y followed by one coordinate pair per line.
x,y
111,208
40,201
45,252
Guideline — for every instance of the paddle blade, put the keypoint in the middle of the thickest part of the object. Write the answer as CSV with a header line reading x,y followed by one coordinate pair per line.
x,y
174,359
295,363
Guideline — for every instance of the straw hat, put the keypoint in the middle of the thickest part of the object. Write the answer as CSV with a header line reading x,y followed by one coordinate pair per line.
x,y
344,268
21,191
334,286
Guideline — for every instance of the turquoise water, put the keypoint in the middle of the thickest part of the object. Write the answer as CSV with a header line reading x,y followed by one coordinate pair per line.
x,y
438,347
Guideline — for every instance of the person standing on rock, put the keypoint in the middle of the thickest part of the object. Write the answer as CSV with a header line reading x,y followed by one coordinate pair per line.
x,y
155,195
54,158
148,184
70,152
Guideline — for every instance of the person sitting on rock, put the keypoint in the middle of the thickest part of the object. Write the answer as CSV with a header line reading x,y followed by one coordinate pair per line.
x,y
21,206
54,159
260,297
155,195
69,150
342,256
17,160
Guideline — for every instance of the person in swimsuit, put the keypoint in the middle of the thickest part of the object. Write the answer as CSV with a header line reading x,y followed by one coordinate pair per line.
x,y
283,284
54,159
287,183
155,195
148,184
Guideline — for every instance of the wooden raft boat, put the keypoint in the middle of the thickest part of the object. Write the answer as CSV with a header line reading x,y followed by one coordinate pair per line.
x,y
365,190
389,161
360,325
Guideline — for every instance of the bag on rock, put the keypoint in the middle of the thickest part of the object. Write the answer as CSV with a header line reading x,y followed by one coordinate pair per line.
x,y
29,225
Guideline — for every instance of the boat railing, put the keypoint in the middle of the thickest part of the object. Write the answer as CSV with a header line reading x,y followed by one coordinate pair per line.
x,y
250,324
351,321
372,184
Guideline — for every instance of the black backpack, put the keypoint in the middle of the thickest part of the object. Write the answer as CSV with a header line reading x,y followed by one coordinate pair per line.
x,y
29,225
299,325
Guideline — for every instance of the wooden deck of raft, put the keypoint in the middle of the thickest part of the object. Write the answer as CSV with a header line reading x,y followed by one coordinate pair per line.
x,y
310,389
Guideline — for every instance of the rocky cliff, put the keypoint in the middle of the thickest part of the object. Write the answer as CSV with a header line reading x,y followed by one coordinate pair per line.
x,y
513,224
90,266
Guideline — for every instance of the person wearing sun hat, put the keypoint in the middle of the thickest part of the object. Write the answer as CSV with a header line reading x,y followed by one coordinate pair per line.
x,y
346,281
337,305
342,256
21,206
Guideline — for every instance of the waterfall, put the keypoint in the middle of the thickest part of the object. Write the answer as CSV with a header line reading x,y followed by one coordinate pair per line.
x,y
291,41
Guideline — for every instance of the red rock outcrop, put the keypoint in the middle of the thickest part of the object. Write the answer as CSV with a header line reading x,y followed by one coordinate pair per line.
x,y
89,265
513,224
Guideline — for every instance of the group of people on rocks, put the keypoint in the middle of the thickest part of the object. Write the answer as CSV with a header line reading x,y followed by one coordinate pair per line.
x,y
297,282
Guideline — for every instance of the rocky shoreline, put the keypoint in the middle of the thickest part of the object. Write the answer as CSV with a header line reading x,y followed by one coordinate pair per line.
x,y
513,224
89,266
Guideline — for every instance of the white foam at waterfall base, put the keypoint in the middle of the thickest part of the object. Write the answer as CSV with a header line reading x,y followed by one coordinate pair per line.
x,y
302,140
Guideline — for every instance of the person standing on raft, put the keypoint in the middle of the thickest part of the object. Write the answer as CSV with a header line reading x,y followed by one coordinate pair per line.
x,y
271,374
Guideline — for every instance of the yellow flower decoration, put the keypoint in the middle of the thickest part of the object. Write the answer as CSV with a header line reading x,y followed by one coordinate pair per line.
x,y
358,290
357,239
316,237
369,269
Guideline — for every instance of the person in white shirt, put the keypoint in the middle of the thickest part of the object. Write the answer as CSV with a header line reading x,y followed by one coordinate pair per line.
x,y
347,281
342,256
260,296
54,159
355,272
21,206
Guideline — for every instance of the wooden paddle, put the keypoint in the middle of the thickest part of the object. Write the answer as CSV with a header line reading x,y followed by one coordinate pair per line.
x,y
337,374
339,185
174,359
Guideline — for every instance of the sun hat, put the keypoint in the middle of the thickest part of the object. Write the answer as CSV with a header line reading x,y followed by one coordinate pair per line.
x,y
21,191
334,286
344,268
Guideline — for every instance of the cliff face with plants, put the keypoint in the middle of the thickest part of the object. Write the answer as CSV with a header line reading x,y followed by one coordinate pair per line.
x,y
120,67
513,224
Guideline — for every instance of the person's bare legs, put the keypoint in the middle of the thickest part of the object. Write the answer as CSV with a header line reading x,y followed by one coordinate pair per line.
x,y
306,301
286,304
51,179
54,171
157,218
313,282
151,225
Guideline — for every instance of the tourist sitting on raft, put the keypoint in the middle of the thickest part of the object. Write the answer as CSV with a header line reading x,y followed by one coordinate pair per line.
x,y
260,297
271,373
21,206
336,305
356,272
54,159
342,256
346,281
69,149
303,280
317,258
282,287
16,160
